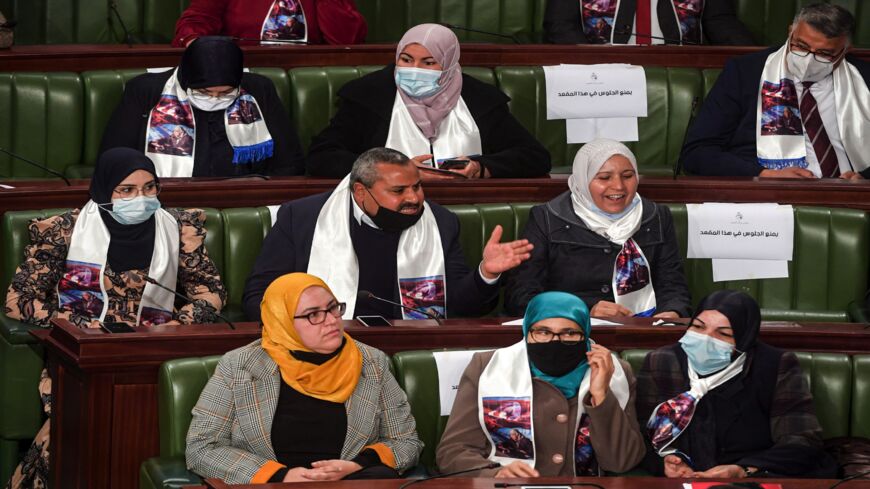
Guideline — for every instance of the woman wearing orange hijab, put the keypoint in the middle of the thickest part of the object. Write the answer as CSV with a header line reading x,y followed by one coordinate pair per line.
x,y
305,403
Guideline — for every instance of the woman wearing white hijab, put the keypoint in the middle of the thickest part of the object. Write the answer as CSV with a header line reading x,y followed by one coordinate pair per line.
x,y
604,243
425,107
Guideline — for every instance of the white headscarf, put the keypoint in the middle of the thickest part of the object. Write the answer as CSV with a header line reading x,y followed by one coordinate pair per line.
x,y
617,228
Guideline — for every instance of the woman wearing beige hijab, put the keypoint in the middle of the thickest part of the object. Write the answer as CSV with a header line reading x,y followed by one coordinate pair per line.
x,y
425,107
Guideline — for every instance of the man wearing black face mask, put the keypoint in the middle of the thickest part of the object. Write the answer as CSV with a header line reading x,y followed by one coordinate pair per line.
x,y
376,232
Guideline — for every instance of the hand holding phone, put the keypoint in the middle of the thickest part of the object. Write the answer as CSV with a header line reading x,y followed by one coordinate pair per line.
x,y
453,164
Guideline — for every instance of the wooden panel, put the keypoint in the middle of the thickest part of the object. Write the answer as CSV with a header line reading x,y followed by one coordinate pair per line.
x,y
83,57
134,422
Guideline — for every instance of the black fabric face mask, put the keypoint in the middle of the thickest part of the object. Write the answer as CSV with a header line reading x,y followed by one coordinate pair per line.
x,y
555,358
393,221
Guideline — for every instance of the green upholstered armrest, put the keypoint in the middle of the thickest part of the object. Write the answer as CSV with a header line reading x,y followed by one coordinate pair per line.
x,y
811,316
16,332
165,473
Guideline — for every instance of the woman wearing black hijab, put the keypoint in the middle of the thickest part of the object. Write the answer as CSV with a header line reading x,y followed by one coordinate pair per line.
x,y
207,118
88,266
721,403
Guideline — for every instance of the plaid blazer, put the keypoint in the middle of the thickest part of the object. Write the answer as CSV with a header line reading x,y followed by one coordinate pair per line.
x,y
230,435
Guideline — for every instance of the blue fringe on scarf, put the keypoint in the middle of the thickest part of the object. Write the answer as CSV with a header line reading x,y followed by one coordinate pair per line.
x,y
772,164
253,153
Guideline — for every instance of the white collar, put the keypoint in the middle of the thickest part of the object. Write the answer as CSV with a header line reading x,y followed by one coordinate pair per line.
x,y
361,216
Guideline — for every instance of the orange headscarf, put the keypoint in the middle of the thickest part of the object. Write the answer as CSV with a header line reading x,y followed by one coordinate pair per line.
x,y
333,381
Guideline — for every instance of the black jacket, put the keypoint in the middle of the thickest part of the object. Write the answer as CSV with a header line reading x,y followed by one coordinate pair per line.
x,y
764,417
363,122
562,24
569,257
287,247
721,141
213,154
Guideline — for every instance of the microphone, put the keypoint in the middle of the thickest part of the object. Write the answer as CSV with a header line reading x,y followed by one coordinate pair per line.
x,y
38,165
489,33
128,37
183,297
678,166
491,465
366,295
269,41
626,30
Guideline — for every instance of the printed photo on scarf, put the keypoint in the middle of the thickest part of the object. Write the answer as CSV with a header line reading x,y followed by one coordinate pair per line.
x,y
243,111
79,289
508,421
598,18
779,106
632,272
584,454
670,419
169,132
426,293
285,21
689,14
151,316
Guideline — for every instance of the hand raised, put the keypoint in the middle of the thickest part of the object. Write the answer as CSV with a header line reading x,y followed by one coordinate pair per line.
x,y
500,257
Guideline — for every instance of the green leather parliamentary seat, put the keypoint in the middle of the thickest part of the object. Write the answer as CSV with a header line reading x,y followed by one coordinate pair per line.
x,y
179,385
768,20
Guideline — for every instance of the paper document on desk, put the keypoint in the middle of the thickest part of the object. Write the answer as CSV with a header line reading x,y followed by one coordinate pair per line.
x,y
745,241
450,365
593,321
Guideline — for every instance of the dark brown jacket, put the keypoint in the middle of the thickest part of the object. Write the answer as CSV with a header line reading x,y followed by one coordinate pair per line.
x,y
616,438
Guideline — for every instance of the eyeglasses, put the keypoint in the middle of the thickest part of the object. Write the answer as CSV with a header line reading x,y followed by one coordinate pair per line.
x,y
319,316
803,52
130,192
567,337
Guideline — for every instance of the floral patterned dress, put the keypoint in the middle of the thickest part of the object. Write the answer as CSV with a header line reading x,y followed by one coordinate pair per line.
x,y
32,298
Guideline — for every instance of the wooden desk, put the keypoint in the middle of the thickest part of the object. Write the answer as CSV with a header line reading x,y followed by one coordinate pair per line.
x,y
105,386
481,483
84,57
246,192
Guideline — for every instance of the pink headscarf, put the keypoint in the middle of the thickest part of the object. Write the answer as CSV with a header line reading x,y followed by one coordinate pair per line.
x,y
442,43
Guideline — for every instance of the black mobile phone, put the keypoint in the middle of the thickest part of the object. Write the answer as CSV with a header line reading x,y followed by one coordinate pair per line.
x,y
117,328
373,321
453,164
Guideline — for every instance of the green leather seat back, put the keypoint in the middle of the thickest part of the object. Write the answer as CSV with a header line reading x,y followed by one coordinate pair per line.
x,y
860,423
244,230
179,384
709,77
389,19
158,18
830,379
40,119
670,92
417,374
769,20
281,80
103,90
828,272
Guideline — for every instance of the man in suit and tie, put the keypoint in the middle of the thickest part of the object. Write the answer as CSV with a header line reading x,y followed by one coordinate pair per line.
x,y
811,75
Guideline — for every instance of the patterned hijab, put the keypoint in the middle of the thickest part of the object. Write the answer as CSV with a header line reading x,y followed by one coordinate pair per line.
x,y
441,42
334,380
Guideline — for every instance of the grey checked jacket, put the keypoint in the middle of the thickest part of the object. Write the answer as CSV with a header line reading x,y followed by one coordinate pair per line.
x,y
230,434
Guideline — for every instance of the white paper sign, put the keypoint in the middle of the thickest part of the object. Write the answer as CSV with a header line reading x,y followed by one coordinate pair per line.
x,y
740,231
592,91
585,130
728,269
451,365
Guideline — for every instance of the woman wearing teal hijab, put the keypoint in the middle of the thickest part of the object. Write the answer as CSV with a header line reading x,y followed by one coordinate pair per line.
x,y
553,404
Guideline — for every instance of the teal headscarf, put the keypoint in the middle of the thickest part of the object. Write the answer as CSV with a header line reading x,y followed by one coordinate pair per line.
x,y
560,305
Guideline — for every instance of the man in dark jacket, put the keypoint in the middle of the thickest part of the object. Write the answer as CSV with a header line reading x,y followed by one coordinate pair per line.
x,y
723,139
599,21
367,233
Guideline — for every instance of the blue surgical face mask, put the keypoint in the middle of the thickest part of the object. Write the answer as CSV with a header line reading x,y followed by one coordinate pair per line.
x,y
134,211
706,354
418,82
